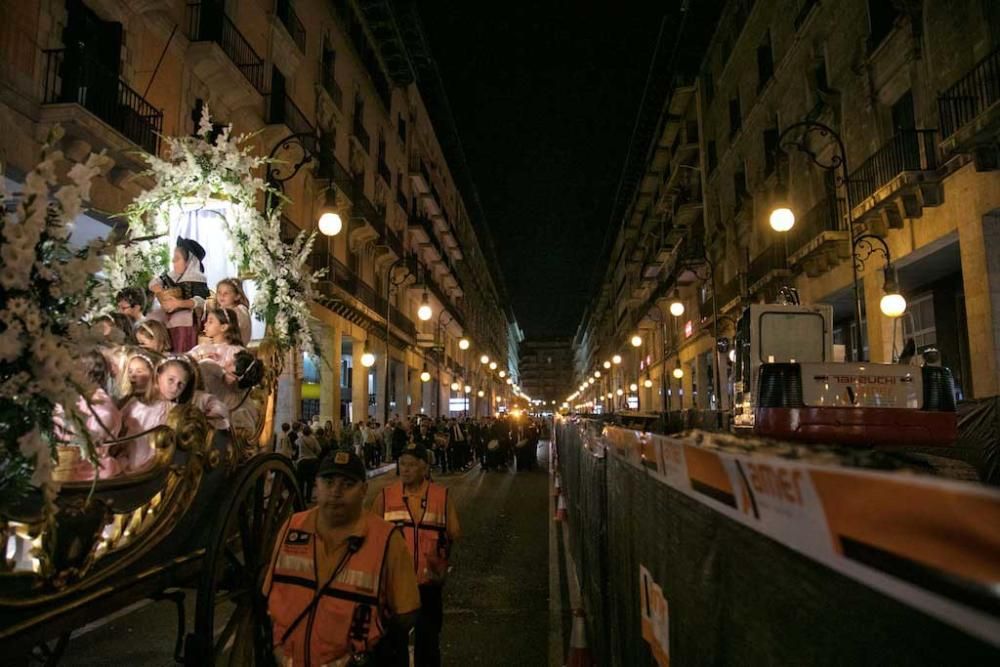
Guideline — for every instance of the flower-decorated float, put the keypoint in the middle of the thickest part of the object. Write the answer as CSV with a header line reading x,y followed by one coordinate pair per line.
x,y
131,460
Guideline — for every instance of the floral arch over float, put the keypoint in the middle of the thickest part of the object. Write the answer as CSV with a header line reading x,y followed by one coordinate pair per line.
x,y
206,189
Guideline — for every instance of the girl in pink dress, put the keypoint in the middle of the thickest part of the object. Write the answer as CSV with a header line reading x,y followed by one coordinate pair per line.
x,y
229,295
136,380
174,385
217,360
187,289
100,418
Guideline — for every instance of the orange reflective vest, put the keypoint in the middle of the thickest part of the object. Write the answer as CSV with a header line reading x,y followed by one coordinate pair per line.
x,y
426,538
319,629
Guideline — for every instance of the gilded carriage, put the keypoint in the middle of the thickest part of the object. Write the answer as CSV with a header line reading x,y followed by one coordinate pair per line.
x,y
202,518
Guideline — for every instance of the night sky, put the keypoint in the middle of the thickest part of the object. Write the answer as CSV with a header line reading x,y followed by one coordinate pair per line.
x,y
545,96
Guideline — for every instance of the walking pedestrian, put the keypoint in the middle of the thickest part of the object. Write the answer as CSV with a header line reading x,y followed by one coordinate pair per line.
x,y
309,453
430,527
321,610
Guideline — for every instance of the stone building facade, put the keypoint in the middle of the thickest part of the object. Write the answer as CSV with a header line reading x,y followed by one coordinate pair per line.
x,y
546,367
356,77
913,91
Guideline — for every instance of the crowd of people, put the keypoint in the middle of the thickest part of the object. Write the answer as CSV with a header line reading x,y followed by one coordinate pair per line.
x,y
453,444
188,346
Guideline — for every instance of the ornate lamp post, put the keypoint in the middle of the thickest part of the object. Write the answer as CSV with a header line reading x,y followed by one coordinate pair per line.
x,y
782,218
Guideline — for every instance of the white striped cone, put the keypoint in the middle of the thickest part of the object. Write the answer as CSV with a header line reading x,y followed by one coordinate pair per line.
x,y
579,652
561,509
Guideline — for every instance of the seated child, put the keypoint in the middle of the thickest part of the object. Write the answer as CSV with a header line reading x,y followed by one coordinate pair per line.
x,y
98,415
173,385
152,335
137,378
229,295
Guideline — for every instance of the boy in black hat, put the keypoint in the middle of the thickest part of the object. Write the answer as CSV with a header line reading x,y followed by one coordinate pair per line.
x,y
182,292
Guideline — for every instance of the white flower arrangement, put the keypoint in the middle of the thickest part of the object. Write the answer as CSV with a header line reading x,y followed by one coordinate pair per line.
x,y
46,289
200,168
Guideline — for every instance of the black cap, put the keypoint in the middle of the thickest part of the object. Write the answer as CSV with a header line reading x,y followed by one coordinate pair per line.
x,y
344,463
415,449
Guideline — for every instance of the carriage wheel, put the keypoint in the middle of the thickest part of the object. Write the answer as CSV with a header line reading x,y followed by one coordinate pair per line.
x,y
231,623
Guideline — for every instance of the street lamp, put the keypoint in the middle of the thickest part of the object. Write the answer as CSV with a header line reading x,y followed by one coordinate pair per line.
x,y
454,386
425,312
493,365
607,364
597,374
330,222
425,375
647,383
633,387
463,344
892,304
502,374
676,305
617,359
367,359
636,340
678,371
782,218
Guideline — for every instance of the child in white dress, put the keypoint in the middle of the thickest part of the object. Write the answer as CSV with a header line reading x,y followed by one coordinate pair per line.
x,y
174,385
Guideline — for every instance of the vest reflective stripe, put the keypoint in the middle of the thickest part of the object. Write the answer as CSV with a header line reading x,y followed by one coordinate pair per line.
x,y
324,635
421,536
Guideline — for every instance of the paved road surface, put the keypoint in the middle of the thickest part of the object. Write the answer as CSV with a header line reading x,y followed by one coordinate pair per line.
x,y
496,601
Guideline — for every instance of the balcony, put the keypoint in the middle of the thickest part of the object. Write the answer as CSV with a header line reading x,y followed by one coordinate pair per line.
x,y
340,276
383,171
333,89
360,134
281,110
970,109
420,176
401,201
290,20
726,297
898,180
73,79
768,268
219,47
820,239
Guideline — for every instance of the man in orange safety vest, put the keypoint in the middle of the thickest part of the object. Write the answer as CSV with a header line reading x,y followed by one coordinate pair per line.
x,y
430,527
341,582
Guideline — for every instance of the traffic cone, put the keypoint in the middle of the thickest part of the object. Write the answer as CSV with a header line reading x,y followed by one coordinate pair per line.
x,y
579,653
561,509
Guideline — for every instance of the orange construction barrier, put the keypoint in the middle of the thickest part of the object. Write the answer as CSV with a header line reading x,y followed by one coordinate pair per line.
x,y
579,653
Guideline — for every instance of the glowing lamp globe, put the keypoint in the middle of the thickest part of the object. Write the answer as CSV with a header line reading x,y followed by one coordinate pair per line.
x,y
467,389
484,359
425,377
463,344
367,359
424,312
647,384
782,219
732,355
454,386
610,395
330,223
590,380
636,340
480,393
597,374
502,374
509,381
892,305
678,373
676,308
620,392
493,365
607,364
617,359
633,387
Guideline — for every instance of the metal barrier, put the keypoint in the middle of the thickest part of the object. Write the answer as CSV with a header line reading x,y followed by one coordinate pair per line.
x,y
681,559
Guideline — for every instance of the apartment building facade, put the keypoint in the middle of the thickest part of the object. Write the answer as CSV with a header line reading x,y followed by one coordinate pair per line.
x,y
546,367
912,90
357,81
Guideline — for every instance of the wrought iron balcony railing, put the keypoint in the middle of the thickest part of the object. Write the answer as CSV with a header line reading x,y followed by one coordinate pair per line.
x,y
774,258
826,216
333,88
971,95
281,109
207,22
72,77
286,14
361,134
909,150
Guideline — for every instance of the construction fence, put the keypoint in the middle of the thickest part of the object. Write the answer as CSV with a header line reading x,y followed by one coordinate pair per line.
x,y
694,550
